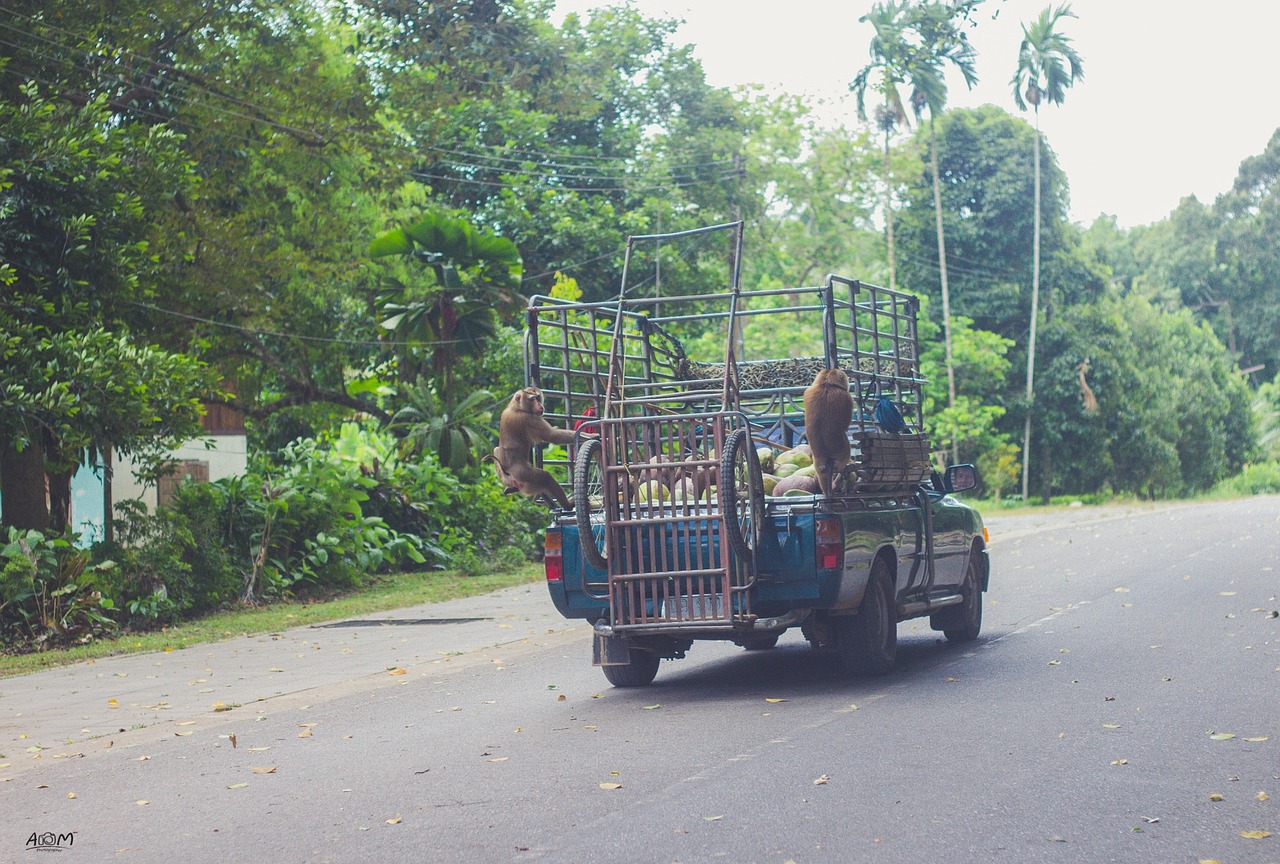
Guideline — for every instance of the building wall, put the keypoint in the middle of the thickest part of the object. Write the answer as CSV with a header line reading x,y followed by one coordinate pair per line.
x,y
228,458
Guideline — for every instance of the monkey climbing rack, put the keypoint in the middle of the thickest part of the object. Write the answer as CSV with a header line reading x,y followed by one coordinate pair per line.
x,y
666,481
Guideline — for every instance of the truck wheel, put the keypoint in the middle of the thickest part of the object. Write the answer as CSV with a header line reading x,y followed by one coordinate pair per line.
x,y
588,504
761,643
867,643
742,494
639,672
963,622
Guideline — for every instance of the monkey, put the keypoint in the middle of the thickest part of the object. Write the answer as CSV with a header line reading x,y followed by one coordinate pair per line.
x,y
508,482
519,429
828,411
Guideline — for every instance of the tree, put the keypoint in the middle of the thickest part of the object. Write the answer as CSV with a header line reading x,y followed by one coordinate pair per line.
x,y
889,55
82,192
1047,67
941,43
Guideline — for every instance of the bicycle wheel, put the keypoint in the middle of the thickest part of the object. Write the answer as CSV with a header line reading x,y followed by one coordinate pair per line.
x,y
588,504
742,494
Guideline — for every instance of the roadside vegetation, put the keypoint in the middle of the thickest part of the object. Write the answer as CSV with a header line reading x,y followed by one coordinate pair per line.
x,y
326,218
381,594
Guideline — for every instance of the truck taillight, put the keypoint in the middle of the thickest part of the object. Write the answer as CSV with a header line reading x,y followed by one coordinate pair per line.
x,y
553,559
830,542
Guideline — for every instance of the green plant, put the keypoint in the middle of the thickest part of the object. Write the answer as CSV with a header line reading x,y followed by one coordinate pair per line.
x,y
49,593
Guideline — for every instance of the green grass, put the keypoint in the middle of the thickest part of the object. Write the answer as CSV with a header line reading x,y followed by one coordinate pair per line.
x,y
392,592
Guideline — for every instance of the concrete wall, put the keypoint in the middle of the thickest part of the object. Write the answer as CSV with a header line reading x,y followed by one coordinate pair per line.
x,y
228,458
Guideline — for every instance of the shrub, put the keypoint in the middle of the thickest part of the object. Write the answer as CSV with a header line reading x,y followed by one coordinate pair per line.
x,y
1261,479
49,593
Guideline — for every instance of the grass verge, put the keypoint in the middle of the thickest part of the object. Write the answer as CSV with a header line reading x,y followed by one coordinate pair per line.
x,y
391,592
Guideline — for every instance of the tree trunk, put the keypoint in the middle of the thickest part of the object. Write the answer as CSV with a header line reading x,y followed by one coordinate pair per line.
x,y
23,495
1035,313
942,270
888,213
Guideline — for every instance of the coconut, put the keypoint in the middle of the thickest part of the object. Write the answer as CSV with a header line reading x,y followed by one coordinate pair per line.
x,y
766,457
684,490
769,482
797,484
796,457
785,469
652,490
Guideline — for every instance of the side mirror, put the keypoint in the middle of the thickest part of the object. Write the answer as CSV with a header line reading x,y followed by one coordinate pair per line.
x,y
960,478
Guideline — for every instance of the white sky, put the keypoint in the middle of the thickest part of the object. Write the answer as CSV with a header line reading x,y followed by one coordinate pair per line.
x,y
1175,94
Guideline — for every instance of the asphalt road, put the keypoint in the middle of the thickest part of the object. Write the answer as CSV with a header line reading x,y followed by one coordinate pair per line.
x,y
1128,675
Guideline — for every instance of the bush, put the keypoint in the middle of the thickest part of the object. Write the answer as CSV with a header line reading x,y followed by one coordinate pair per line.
x,y
49,593
1262,479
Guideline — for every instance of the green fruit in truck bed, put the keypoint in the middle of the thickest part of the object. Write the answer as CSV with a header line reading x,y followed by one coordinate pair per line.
x,y
807,471
785,469
769,482
652,490
795,457
766,456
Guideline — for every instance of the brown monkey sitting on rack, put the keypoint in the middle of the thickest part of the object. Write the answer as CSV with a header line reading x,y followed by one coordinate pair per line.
x,y
828,411
519,429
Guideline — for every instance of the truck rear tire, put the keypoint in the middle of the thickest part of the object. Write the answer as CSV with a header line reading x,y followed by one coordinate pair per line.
x,y
742,494
867,643
588,504
640,672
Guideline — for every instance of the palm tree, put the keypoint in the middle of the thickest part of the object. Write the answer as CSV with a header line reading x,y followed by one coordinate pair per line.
x,y
939,42
1047,67
889,55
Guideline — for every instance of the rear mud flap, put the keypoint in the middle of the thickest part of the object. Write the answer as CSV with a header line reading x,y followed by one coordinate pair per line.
x,y
610,651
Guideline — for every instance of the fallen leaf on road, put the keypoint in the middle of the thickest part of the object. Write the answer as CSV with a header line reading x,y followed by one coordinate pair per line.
x,y
1256,740
774,701
1255,835
498,759
395,821
1110,725
712,818
71,794
1209,861
183,734
187,723
400,670
610,785
1221,736
1216,796
1261,796
1122,590
562,698
237,785
1121,762
821,781
258,749
111,703
142,803
1227,593
305,733
1055,662
268,770
651,707
1149,820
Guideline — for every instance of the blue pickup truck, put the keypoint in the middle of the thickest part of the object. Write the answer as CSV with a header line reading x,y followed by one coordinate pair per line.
x,y
680,530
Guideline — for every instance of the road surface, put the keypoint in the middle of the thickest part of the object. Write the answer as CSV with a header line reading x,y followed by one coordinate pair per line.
x,y
1123,704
